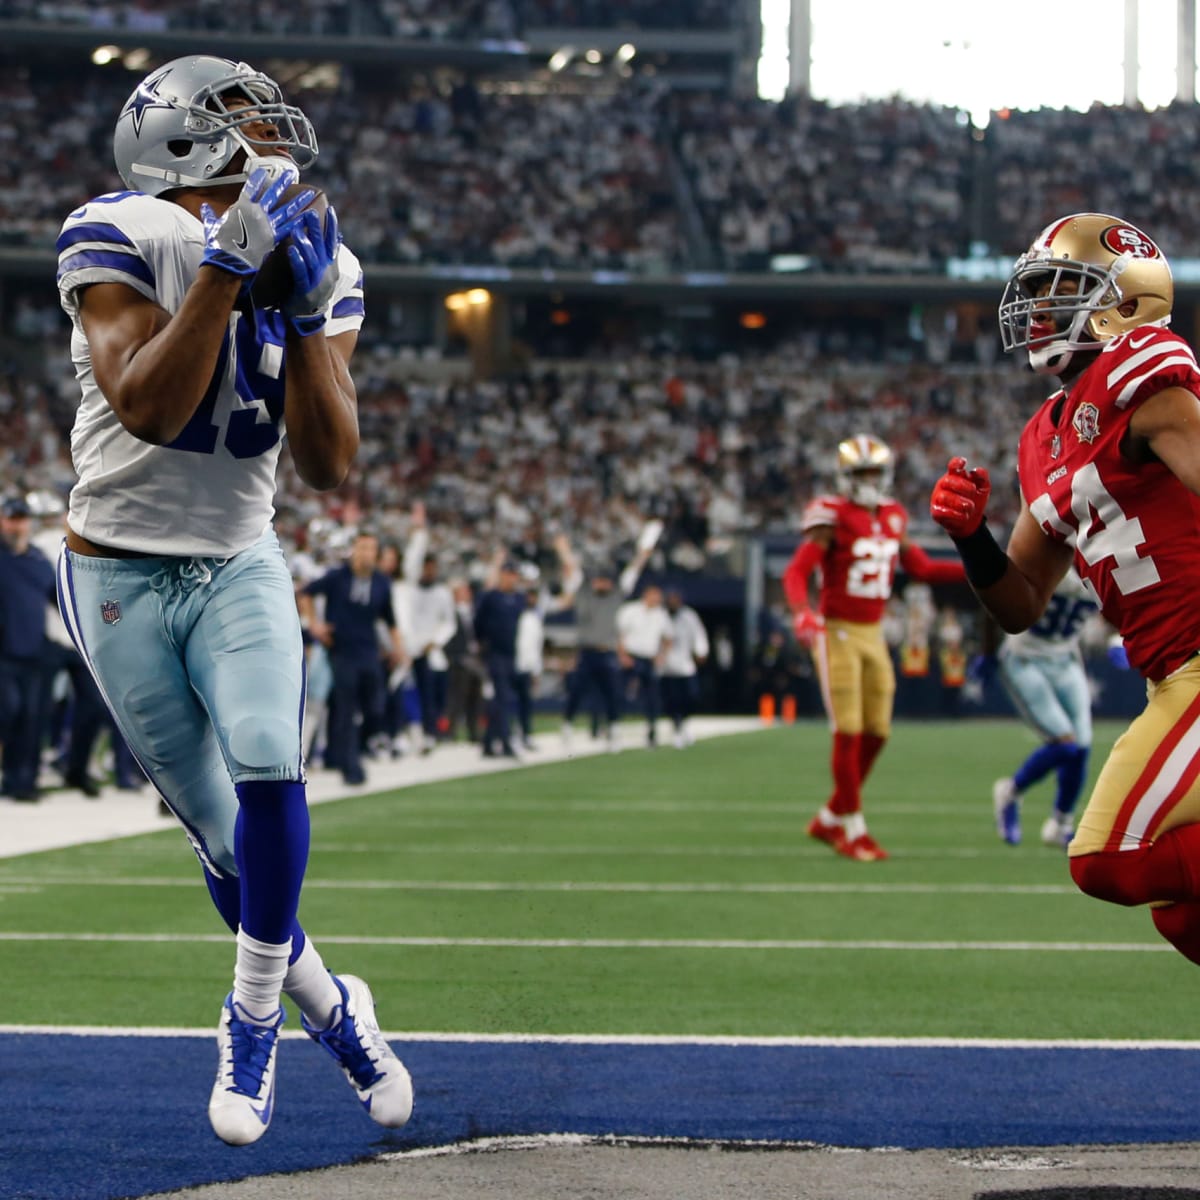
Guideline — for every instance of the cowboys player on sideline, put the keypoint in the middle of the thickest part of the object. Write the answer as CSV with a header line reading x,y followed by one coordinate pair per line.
x,y
172,582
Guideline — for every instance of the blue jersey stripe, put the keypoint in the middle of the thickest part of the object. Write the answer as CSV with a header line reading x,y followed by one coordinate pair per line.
x,y
351,306
91,231
115,260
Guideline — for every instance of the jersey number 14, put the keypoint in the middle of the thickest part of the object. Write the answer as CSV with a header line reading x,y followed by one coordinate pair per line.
x,y
1101,530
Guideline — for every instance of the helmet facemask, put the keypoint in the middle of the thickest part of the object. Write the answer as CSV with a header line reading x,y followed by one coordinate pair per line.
x,y
1069,315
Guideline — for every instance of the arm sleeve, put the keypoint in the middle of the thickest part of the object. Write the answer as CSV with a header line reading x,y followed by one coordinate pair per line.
x,y
414,554
795,579
629,577
929,570
700,637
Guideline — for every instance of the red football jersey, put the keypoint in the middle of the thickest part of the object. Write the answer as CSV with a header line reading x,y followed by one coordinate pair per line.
x,y
1135,529
860,563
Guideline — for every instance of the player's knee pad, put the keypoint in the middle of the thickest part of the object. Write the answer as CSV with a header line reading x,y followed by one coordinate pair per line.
x,y
264,743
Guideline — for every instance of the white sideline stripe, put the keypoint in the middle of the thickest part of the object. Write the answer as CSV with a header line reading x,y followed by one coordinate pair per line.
x,y
649,1039
33,883
623,943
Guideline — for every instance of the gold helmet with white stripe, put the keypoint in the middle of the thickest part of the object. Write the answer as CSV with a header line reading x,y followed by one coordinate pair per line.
x,y
1087,279
864,469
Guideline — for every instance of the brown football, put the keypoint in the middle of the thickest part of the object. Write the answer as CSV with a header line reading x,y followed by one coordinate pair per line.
x,y
274,283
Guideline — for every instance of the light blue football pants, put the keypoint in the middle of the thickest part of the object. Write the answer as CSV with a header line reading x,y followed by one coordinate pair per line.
x,y
200,662
1051,694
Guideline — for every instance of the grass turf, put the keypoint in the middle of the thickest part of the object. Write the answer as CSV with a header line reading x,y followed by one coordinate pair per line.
x,y
706,846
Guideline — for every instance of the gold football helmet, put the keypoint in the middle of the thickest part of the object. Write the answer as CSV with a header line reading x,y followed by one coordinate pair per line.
x,y
864,469
1087,279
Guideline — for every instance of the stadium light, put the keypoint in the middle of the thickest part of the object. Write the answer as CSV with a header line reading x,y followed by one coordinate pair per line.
x,y
136,60
593,56
625,53
456,301
560,58
479,296
103,55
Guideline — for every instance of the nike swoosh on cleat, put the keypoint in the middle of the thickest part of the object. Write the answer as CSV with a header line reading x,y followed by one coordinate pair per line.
x,y
263,1114
240,243
365,1102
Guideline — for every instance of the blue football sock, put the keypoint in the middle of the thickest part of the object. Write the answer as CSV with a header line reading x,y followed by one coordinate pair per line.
x,y
226,893
271,849
1041,762
1071,775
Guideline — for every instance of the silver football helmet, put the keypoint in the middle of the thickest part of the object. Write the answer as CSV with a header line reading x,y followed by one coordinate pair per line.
x,y
177,129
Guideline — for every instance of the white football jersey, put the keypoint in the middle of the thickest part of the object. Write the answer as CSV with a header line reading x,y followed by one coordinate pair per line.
x,y
209,493
1056,632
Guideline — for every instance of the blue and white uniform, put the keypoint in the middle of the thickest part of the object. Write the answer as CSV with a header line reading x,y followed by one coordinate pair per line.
x,y
1042,671
1042,668
157,630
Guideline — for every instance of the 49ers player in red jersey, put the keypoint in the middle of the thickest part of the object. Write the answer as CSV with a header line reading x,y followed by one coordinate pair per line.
x,y
855,538
1110,480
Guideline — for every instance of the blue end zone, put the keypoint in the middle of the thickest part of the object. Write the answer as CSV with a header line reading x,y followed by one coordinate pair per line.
x,y
97,1118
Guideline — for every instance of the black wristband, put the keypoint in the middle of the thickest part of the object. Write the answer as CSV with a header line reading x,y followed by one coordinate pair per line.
x,y
983,559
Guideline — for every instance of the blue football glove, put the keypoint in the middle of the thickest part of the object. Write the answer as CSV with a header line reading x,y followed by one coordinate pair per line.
x,y
1118,655
982,667
256,222
312,253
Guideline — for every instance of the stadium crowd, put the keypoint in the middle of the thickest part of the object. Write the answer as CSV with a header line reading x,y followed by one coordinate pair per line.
x,y
439,168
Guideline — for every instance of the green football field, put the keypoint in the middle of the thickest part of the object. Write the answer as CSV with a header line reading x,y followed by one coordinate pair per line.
x,y
641,893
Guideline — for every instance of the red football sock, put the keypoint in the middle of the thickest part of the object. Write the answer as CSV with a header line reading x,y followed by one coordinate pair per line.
x,y
847,796
868,751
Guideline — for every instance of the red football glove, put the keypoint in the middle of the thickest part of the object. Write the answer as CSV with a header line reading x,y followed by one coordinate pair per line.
x,y
959,498
807,625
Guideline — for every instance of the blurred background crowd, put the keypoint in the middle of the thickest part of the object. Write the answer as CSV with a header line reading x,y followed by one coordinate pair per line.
x,y
606,283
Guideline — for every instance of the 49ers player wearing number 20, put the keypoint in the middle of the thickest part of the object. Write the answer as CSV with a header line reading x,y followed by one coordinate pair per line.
x,y
856,539
1110,481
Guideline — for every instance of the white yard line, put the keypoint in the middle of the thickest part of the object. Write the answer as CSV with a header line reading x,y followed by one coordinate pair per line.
x,y
649,1039
28,883
507,943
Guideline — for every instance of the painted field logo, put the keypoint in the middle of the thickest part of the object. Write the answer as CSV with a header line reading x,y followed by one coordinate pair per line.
x,y
110,610
1124,239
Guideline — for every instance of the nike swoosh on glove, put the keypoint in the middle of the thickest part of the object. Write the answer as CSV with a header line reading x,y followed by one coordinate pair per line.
x,y
256,222
312,253
959,498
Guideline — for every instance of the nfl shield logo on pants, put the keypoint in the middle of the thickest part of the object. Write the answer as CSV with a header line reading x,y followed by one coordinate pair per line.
x,y
110,610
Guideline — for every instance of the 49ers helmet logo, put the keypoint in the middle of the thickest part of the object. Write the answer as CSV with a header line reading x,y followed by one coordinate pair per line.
x,y
1124,239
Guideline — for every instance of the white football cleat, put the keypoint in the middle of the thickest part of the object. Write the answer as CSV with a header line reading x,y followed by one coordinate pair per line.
x,y
243,1096
1006,805
1057,830
353,1038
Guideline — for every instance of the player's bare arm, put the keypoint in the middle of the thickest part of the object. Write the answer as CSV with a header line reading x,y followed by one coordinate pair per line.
x,y
154,368
1036,566
1167,427
321,407
1016,586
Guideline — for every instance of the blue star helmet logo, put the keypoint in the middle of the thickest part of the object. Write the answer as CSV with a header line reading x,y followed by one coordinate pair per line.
x,y
145,97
